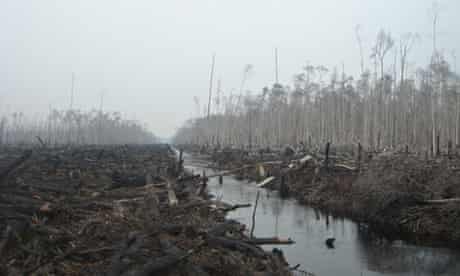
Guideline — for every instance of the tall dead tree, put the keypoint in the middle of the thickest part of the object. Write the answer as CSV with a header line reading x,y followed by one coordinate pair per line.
x,y
211,79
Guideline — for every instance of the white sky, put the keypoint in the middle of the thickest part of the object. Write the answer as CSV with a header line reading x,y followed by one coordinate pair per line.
x,y
152,57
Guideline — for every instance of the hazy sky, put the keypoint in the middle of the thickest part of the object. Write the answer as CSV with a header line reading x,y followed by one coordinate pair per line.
x,y
152,57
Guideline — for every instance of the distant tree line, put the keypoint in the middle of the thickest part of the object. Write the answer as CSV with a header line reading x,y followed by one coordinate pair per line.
x,y
386,107
72,127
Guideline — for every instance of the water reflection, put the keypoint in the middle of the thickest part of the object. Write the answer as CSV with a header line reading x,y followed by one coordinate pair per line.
x,y
396,257
357,251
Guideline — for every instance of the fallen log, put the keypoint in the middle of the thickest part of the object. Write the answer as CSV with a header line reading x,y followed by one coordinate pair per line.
x,y
305,159
236,206
343,166
273,240
188,178
440,201
266,181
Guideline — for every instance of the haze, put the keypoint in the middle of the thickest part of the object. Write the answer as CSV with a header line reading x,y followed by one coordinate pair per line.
x,y
150,58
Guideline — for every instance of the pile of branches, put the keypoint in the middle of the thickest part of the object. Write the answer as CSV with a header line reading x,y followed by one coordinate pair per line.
x,y
412,195
117,210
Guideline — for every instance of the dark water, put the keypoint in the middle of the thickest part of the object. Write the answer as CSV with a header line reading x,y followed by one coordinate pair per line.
x,y
356,252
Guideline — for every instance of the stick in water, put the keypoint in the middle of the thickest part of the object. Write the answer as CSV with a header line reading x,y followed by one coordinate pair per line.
x,y
254,215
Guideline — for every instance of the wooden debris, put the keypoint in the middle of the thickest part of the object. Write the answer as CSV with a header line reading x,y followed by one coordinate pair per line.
x,y
266,181
109,210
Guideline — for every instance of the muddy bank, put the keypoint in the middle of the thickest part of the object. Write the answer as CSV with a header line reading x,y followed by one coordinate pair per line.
x,y
117,210
399,194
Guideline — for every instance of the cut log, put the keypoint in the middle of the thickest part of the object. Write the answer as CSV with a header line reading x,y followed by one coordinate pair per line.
x,y
343,166
266,181
305,159
274,240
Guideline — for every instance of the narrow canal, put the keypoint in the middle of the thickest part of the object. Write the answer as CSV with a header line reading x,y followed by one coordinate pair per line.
x,y
356,252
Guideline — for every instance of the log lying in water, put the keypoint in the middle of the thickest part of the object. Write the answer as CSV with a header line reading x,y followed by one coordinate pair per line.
x,y
272,240
236,206
266,181
227,207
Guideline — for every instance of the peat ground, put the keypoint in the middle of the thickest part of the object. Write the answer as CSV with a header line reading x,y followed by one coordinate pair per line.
x,y
117,210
